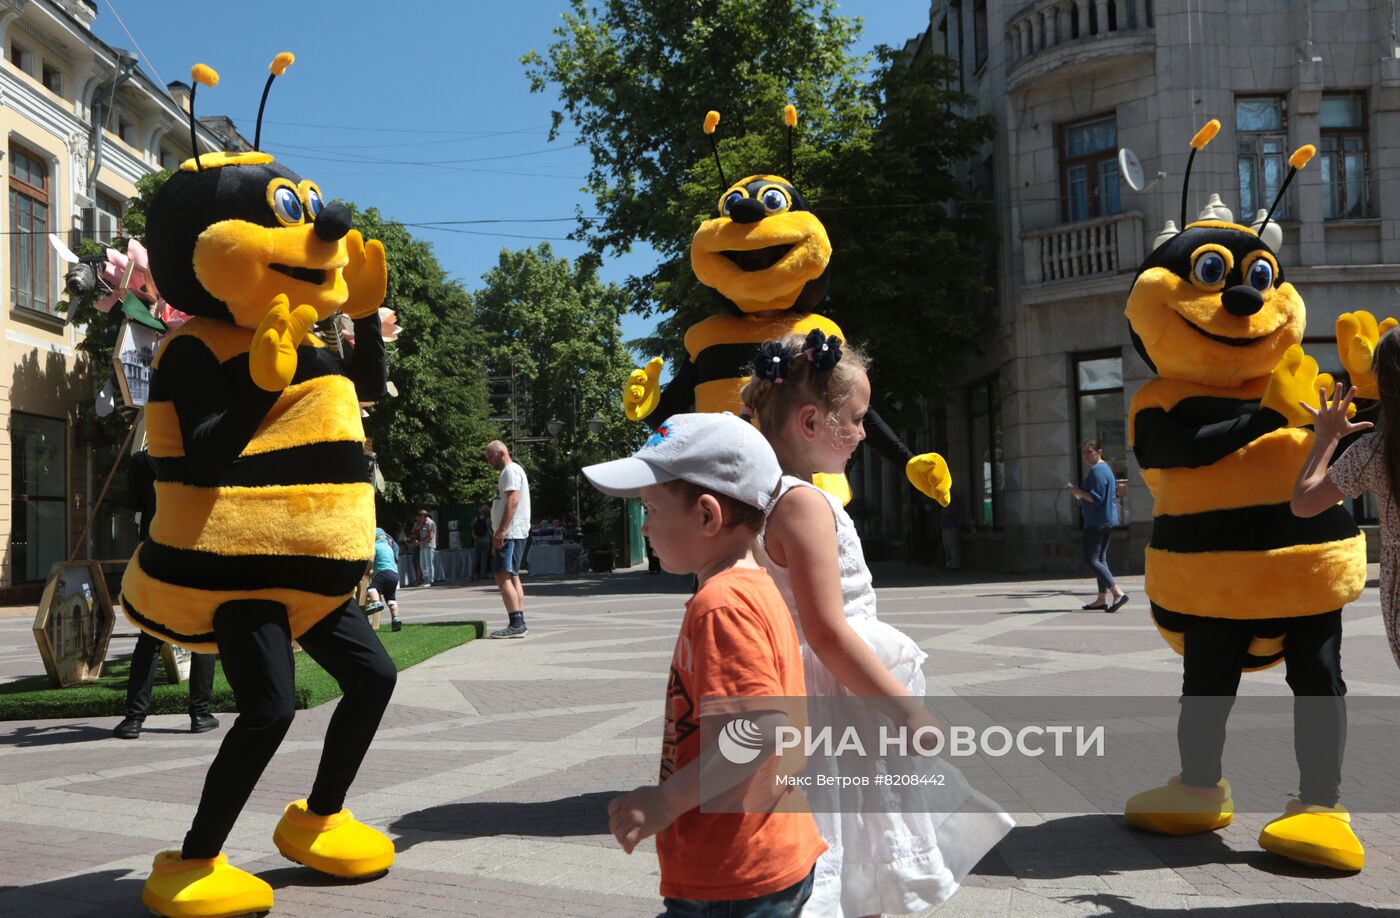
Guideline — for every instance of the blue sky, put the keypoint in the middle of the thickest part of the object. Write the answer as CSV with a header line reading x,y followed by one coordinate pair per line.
x,y
416,107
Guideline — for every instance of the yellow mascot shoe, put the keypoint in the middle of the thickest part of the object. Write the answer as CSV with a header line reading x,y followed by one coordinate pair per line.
x,y
1179,809
336,844
202,888
1318,835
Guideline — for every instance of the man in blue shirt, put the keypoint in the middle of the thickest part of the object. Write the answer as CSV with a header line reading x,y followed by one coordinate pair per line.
x,y
1098,496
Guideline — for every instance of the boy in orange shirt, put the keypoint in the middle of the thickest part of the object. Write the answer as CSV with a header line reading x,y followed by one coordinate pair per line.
x,y
706,481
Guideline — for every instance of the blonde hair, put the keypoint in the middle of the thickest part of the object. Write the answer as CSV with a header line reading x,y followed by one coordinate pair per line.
x,y
801,381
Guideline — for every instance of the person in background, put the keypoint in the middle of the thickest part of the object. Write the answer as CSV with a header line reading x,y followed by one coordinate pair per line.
x,y
425,537
510,520
1098,494
481,542
384,581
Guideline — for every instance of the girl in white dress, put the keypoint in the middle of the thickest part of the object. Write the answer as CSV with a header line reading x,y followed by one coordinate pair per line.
x,y
809,398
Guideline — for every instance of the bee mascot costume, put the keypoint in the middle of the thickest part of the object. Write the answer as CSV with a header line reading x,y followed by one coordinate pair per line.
x,y
1237,582
767,257
264,518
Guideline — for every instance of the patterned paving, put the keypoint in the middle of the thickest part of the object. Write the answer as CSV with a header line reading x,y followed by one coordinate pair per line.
x,y
496,761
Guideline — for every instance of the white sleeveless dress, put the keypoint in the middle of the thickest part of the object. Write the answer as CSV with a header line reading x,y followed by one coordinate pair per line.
x,y
905,860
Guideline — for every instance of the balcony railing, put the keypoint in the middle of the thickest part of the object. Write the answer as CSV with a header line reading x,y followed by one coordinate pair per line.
x,y
1043,25
1089,248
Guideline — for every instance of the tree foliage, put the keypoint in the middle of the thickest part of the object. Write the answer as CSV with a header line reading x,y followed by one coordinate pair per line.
x,y
878,156
557,328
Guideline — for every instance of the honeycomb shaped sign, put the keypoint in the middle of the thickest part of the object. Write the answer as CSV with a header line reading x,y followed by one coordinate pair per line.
x,y
74,623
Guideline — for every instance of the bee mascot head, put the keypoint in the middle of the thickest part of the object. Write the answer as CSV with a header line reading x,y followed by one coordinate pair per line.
x,y
762,250
229,232
1210,304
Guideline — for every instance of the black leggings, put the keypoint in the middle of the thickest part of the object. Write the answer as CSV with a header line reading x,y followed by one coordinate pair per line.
x,y
255,645
142,680
1215,650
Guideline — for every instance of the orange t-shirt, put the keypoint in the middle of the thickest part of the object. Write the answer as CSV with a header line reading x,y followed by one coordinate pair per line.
x,y
737,642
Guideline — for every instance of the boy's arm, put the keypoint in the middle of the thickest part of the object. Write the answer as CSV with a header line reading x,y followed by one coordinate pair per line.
x,y
648,810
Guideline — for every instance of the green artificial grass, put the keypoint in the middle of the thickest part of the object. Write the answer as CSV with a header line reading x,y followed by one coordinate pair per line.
x,y
35,698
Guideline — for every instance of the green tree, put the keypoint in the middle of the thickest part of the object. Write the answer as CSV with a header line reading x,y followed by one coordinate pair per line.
x,y
875,156
557,327
430,438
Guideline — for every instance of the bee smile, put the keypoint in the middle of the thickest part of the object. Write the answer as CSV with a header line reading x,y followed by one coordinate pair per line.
x,y
757,259
310,275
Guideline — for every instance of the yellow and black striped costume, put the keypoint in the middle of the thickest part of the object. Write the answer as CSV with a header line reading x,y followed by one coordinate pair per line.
x,y
290,519
1224,542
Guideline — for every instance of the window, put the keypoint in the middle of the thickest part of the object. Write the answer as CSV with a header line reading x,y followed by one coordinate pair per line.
x,y
21,57
1100,413
979,33
53,79
108,223
31,281
125,130
1344,167
988,471
168,161
1261,134
1089,168
38,533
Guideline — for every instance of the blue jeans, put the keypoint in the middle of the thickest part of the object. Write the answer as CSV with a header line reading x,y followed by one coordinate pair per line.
x,y
786,903
509,557
427,563
1095,544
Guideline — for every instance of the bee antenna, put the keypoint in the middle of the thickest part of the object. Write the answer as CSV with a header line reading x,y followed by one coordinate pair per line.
x,y
790,119
279,66
1297,161
1203,137
200,74
711,120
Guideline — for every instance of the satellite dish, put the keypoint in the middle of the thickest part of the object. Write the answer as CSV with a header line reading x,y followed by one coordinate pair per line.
x,y
64,253
1131,169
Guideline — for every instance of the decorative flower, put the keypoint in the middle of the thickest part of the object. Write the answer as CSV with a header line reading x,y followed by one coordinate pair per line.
x,y
773,361
823,351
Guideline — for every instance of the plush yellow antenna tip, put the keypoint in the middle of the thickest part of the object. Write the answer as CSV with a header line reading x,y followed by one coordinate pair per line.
x,y
711,119
790,115
1205,135
281,62
1300,156
204,75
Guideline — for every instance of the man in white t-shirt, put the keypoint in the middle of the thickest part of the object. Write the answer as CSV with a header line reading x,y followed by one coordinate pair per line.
x,y
510,520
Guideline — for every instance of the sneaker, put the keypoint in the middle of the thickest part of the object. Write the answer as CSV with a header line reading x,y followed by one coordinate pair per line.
x,y
129,728
395,625
374,607
513,631
203,723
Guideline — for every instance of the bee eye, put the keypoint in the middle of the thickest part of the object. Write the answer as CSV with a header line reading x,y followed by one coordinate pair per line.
x,y
1210,268
774,200
728,200
314,203
286,205
1261,275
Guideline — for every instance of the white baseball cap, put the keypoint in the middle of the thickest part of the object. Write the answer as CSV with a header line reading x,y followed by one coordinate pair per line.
x,y
717,452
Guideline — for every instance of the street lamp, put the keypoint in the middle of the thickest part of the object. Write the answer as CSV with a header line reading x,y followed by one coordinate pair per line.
x,y
595,425
554,425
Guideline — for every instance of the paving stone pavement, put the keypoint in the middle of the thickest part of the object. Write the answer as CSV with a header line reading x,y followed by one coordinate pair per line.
x,y
495,762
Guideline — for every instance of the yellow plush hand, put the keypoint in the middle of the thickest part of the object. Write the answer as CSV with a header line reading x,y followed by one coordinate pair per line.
x,y
643,390
272,357
1294,383
1357,336
929,473
366,275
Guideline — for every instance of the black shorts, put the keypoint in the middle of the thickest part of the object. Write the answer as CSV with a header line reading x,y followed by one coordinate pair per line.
x,y
387,583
